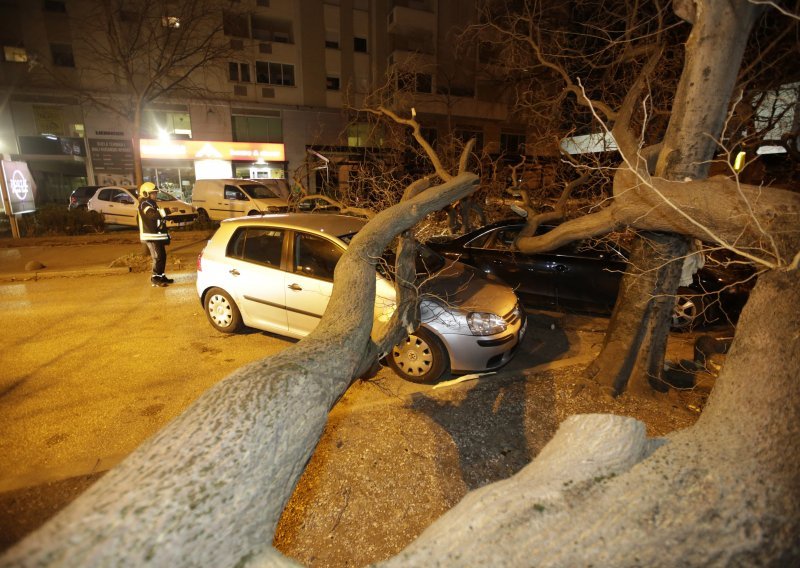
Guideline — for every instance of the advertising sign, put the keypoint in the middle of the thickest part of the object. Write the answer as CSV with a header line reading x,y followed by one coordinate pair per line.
x,y
202,150
20,187
111,158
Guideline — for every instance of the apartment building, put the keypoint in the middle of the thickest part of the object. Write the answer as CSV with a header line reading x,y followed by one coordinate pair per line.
x,y
279,104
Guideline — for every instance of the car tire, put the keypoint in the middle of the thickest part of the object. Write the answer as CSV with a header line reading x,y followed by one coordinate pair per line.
x,y
420,358
221,311
202,216
688,312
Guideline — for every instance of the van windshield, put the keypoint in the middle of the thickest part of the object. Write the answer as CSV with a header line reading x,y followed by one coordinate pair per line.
x,y
257,191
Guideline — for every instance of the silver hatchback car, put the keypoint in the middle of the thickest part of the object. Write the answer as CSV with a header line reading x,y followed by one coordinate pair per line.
x,y
275,273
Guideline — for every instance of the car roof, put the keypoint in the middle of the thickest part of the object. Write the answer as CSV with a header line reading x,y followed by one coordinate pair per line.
x,y
327,223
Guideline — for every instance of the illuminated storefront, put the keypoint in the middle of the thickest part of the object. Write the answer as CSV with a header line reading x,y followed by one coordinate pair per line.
x,y
175,164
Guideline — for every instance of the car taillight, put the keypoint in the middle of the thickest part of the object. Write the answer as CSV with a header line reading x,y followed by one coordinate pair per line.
x,y
72,199
200,262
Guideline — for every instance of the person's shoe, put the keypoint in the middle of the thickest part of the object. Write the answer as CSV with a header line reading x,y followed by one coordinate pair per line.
x,y
167,280
157,281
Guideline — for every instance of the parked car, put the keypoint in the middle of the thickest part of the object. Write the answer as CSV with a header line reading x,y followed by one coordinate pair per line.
x,y
80,196
119,206
316,204
275,273
585,275
218,199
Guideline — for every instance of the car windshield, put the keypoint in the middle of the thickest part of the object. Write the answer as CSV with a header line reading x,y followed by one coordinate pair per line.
x,y
428,262
347,238
164,196
257,191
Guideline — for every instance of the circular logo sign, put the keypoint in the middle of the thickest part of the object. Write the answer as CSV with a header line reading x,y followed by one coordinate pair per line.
x,y
18,185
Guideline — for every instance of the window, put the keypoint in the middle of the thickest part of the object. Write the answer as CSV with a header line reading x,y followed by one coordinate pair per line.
x,y
173,22
360,44
465,134
430,135
15,54
423,83
512,143
261,246
158,124
358,134
62,55
257,128
239,72
332,83
115,195
315,256
274,73
332,39
235,25
59,6
234,193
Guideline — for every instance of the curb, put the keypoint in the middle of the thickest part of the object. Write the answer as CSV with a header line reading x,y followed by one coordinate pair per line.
x,y
45,275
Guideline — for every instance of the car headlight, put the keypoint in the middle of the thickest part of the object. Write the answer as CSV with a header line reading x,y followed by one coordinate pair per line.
x,y
482,323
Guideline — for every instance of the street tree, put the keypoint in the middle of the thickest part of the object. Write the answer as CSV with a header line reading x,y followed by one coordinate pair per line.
x,y
619,81
209,488
136,52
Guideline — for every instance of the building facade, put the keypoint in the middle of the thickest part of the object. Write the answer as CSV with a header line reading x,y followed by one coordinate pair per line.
x,y
279,104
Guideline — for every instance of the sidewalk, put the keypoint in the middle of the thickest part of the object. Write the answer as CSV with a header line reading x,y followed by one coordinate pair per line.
x,y
59,257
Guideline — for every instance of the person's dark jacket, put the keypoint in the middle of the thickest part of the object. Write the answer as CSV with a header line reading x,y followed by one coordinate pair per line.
x,y
152,222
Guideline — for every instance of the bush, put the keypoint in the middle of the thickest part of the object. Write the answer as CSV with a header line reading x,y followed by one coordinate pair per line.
x,y
58,220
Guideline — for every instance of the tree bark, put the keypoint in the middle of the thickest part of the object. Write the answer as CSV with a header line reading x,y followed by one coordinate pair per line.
x,y
725,492
639,325
636,340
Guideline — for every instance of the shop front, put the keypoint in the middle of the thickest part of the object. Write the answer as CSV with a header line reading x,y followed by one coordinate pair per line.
x,y
175,165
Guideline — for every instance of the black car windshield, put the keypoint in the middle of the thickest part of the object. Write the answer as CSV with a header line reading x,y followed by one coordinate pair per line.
x,y
428,261
257,191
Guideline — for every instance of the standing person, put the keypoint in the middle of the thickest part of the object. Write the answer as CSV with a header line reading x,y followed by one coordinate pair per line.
x,y
153,232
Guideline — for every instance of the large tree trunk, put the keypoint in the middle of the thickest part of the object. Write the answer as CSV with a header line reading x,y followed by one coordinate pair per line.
x,y
725,492
636,340
640,326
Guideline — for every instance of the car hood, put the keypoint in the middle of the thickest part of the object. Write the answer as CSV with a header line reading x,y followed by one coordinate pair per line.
x,y
465,288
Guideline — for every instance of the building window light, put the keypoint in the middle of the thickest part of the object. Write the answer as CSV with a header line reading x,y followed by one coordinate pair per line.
x,y
15,54
171,22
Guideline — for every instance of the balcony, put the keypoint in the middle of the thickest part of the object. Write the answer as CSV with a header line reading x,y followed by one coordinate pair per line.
x,y
407,19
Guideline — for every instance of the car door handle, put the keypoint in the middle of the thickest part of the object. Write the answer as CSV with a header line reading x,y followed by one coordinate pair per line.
x,y
296,287
234,272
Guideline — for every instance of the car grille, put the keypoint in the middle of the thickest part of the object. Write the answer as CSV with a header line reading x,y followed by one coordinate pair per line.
x,y
513,316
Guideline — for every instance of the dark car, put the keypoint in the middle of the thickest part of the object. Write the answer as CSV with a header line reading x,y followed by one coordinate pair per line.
x,y
80,196
585,275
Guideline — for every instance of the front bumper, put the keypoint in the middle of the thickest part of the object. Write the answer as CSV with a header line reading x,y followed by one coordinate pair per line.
x,y
475,353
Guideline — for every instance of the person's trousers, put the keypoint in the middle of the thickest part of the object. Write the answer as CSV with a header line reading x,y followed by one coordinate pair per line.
x,y
158,251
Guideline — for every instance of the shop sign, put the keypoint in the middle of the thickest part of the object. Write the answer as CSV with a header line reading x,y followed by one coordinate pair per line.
x,y
204,150
21,189
110,155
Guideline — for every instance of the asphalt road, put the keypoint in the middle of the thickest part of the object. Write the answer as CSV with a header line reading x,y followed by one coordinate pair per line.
x,y
92,366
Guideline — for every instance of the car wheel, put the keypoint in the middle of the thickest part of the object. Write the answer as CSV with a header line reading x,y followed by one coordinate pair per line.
x,y
202,216
420,358
687,312
222,312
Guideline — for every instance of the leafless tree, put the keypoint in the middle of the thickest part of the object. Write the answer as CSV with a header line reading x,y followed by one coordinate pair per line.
x,y
136,52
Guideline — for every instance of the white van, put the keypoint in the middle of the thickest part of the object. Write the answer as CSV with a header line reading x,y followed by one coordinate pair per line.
x,y
218,199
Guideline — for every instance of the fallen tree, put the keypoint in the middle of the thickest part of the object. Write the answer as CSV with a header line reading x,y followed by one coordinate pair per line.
x,y
209,488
